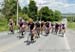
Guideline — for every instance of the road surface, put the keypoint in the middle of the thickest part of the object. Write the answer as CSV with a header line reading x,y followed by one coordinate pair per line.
x,y
51,43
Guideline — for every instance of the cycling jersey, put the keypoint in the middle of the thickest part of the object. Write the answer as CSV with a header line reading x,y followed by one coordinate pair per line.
x,y
63,26
52,24
11,24
42,24
56,26
47,24
31,25
37,24
21,23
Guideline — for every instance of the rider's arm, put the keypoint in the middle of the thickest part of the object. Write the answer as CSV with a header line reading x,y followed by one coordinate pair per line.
x,y
34,27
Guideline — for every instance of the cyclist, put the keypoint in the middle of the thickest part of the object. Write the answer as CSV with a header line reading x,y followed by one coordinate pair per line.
x,y
11,25
60,28
52,27
42,26
56,28
21,26
38,28
63,29
47,27
32,29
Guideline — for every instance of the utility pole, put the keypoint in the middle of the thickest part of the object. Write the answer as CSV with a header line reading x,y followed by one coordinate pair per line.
x,y
17,13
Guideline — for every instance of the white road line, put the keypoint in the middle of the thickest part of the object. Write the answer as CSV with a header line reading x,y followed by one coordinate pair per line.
x,y
67,44
65,38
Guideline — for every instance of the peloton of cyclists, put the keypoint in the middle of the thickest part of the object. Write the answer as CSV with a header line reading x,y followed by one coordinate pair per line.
x,y
43,27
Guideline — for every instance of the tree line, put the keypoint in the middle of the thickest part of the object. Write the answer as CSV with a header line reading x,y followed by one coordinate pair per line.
x,y
31,11
71,18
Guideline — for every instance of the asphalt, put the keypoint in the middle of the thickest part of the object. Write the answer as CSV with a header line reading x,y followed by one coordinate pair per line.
x,y
51,43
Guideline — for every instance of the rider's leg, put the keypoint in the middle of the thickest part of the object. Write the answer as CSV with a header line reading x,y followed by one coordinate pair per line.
x,y
32,36
52,30
32,39
56,30
12,30
38,31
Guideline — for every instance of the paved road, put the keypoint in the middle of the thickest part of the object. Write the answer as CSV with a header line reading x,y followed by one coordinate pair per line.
x,y
51,43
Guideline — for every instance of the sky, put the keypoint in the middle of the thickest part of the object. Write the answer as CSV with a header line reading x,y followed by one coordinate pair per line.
x,y
65,6
1,3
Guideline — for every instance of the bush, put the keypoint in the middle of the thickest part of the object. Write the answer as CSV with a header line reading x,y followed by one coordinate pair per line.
x,y
71,19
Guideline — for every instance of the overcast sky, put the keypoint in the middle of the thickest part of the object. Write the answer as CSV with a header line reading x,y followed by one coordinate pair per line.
x,y
65,6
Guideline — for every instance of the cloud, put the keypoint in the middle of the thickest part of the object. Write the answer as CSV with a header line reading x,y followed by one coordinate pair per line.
x,y
23,3
69,9
62,5
65,6
1,1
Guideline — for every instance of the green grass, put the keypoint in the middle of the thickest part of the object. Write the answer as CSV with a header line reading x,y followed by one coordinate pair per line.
x,y
3,28
4,25
71,25
6,28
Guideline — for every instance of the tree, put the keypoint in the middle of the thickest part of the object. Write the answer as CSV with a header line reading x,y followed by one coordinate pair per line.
x,y
46,14
71,18
25,10
10,8
51,18
57,15
32,11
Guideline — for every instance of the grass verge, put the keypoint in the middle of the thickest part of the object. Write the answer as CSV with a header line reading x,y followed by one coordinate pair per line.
x,y
71,25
